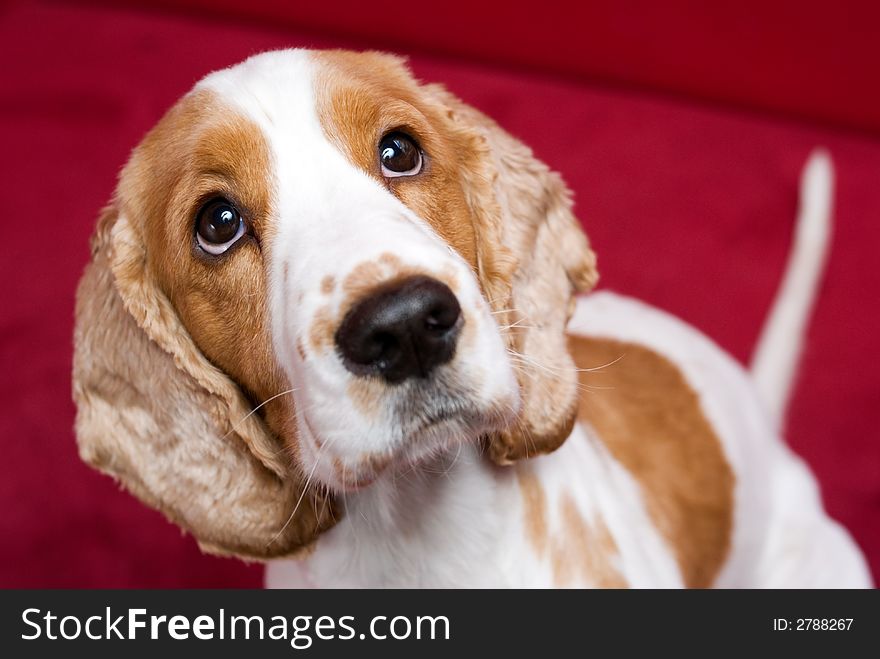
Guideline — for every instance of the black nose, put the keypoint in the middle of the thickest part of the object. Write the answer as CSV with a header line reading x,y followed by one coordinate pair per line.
x,y
402,330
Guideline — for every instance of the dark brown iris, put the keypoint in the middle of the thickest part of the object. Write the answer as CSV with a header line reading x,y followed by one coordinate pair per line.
x,y
399,155
218,222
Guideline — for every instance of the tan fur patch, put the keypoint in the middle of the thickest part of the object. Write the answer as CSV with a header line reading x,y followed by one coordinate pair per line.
x,y
323,329
584,551
535,507
328,284
390,260
362,279
651,421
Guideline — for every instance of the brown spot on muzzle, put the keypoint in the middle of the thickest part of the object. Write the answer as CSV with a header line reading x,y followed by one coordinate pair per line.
x,y
363,280
328,284
323,329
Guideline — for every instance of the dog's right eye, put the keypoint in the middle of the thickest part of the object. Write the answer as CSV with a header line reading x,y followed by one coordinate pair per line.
x,y
219,226
399,155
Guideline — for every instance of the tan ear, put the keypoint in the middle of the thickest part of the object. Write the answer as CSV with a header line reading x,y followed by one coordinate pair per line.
x,y
533,259
175,431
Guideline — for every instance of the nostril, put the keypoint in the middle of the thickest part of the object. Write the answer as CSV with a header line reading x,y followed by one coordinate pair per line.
x,y
375,347
386,347
401,330
443,317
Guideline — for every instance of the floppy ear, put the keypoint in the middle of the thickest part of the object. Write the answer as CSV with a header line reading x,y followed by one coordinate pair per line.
x,y
174,430
533,259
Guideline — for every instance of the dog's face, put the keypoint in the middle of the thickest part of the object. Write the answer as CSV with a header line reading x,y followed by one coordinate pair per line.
x,y
376,265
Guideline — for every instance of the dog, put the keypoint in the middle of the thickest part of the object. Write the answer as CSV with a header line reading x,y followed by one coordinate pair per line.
x,y
338,320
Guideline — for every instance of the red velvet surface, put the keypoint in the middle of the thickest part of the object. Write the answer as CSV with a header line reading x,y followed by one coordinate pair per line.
x,y
808,58
690,207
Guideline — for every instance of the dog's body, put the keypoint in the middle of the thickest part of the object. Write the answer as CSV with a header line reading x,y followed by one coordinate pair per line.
x,y
592,515
390,275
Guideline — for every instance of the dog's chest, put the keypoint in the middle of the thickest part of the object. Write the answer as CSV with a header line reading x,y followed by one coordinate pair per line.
x,y
575,518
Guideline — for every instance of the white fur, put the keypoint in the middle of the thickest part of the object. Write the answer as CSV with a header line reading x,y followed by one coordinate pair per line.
x,y
441,514
779,346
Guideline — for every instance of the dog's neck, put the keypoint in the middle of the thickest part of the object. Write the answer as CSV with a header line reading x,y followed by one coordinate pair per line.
x,y
462,522
432,525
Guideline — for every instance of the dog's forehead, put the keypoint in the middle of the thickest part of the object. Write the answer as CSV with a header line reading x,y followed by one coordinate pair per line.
x,y
289,96
273,89
288,92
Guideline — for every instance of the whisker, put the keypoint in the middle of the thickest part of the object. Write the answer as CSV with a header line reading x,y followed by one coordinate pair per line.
x,y
301,496
560,369
254,411
517,325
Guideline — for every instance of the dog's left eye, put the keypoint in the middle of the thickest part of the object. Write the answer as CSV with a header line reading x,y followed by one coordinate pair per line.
x,y
399,155
219,225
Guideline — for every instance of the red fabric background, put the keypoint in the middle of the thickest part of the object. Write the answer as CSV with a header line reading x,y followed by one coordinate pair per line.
x,y
808,58
690,207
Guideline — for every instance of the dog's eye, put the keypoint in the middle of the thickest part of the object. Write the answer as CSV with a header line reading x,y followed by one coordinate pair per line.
x,y
219,225
399,155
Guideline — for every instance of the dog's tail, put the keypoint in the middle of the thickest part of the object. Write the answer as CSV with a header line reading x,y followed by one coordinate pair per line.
x,y
775,359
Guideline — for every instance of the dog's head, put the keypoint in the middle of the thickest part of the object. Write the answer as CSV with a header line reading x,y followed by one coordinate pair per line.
x,y
315,269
